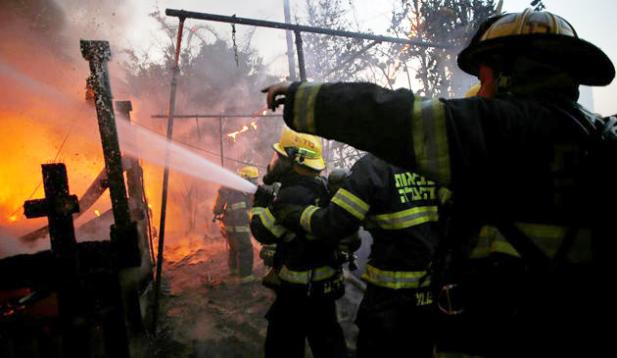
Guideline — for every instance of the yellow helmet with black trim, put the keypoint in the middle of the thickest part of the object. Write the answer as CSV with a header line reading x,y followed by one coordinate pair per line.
x,y
539,35
304,149
249,172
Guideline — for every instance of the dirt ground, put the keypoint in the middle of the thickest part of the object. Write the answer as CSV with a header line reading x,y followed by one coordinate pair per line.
x,y
206,313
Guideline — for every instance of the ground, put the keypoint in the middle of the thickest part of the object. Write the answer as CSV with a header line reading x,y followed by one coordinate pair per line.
x,y
205,313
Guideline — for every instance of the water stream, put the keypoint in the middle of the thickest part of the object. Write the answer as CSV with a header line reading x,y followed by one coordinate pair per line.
x,y
138,141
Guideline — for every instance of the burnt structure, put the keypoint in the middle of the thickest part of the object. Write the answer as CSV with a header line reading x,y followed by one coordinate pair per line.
x,y
66,298
83,299
124,231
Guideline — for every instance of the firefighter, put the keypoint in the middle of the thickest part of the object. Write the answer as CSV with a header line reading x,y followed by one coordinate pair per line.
x,y
399,209
310,277
232,208
523,157
488,271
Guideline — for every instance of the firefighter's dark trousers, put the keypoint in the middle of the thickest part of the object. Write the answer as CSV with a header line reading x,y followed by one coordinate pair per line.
x,y
295,317
240,253
395,323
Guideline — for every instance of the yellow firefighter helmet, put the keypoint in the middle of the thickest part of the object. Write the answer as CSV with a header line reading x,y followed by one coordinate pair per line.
x,y
539,35
473,90
304,149
249,172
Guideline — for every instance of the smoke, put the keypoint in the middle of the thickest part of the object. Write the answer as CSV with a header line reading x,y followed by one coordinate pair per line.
x,y
44,118
138,141
144,144
43,115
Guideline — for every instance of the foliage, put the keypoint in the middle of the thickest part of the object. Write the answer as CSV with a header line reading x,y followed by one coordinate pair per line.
x,y
446,22
332,58
449,23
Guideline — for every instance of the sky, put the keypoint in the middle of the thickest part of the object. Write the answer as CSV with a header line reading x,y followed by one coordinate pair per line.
x,y
592,19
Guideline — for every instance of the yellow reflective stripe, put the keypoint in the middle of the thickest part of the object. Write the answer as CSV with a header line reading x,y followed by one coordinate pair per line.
x,y
240,205
504,247
305,218
490,241
304,106
255,211
268,221
430,139
396,279
444,195
351,203
406,218
303,277
480,251
547,237
243,228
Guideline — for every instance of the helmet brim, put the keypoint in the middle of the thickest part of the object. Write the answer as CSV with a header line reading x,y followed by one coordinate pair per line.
x,y
315,164
585,62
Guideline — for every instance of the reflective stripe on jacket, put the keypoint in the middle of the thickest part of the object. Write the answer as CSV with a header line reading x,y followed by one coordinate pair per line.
x,y
396,279
304,277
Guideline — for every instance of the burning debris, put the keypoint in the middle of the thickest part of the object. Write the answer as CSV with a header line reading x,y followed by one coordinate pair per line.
x,y
115,257
89,282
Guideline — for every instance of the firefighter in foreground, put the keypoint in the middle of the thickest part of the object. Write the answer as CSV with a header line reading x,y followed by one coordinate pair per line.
x,y
523,157
232,208
399,209
489,270
309,273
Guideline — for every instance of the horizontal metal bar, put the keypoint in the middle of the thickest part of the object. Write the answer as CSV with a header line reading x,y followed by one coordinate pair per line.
x,y
191,116
302,28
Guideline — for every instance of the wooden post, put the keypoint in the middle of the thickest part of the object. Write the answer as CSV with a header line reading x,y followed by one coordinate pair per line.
x,y
124,230
59,206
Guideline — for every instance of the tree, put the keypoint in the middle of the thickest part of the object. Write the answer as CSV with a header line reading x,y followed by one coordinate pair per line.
x,y
446,22
332,58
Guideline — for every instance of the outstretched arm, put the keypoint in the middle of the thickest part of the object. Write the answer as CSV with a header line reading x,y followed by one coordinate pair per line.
x,y
344,214
402,129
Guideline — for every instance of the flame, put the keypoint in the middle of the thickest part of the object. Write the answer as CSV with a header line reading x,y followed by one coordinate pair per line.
x,y
234,135
245,128
43,109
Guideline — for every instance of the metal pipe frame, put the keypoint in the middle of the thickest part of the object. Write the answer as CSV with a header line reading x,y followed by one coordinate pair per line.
x,y
298,28
170,127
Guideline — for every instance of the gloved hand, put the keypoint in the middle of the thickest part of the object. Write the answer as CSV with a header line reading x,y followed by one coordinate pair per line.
x,y
263,196
287,215
275,94
267,253
350,243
